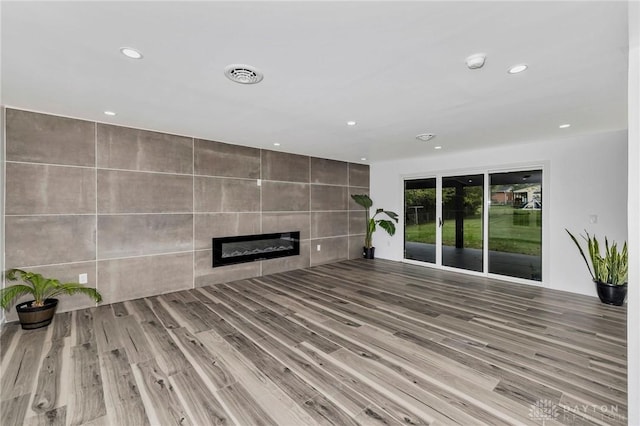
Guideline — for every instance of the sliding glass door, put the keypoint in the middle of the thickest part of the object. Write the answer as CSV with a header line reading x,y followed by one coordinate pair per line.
x,y
446,223
461,221
420,220
515,224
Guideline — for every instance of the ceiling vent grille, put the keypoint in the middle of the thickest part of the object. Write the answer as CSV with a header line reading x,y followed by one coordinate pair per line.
x,y
243,74
425,136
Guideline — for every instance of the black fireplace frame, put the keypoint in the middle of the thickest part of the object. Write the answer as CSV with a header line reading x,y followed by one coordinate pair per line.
x,y
218,259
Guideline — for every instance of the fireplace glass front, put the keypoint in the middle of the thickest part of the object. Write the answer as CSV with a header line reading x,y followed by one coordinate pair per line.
x,y
248,248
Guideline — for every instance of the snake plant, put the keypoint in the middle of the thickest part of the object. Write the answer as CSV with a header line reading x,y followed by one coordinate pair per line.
x,y
613,268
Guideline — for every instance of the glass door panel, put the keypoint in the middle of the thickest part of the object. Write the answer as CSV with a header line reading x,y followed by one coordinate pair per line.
x,y
420,220
461,223
515,224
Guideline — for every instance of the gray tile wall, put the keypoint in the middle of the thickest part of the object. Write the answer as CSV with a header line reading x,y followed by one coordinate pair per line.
x,y
136,210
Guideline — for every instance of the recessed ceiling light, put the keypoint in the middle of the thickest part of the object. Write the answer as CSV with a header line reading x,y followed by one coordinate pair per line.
x,y
276,144
130,52
363,159
351,123
437,147
243,74
564,126
517,68
111,113
425,136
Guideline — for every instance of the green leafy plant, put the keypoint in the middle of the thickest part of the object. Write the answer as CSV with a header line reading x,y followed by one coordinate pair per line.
x,y
40,288
613,268
387,225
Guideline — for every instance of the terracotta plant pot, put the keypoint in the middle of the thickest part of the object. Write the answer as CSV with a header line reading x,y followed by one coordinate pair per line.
x,y
32,317
611,294
368,253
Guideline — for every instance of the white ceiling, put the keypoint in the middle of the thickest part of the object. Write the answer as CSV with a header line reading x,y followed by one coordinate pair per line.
x,y
396,68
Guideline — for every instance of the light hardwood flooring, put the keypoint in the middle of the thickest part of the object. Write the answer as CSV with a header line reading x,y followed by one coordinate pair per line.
x,y
357,342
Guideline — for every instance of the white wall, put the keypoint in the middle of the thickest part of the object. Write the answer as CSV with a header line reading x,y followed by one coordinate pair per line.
x,y
2,195
585,175
633,296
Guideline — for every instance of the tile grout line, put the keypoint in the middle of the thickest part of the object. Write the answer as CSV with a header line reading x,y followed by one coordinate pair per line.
x,y
71,166
137,256
157,172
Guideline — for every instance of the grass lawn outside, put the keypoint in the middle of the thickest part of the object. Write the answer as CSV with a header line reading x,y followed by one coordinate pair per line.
x,y
510,230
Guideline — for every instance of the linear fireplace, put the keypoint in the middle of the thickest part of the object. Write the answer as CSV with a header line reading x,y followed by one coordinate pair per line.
x,y
247,248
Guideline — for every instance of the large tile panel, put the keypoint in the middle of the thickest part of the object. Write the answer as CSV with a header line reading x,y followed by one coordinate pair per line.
x,y
142,192
45,240
357,222
41,138
331,250
133,149
206,274
225,160
358,175
127,279
285,222
356,244
213,225
329,224
282,166
226,195
45,189
283,196
328,197
329,171
143,234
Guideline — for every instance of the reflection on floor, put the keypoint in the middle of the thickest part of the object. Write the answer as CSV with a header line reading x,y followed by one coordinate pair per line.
x,y
510,264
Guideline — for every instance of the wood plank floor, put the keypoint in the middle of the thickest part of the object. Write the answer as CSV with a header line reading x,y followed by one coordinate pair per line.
x,y
357,342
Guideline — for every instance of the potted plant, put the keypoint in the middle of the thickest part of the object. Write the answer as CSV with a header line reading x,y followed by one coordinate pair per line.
x,y
609,272
39,312
368,250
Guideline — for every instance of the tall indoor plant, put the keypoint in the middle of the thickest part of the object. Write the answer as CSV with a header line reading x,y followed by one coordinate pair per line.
x,y
368,251
609,272
39,312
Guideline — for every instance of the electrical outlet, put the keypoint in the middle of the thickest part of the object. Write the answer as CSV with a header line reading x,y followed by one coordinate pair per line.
x,y
593,218
83,279
318,247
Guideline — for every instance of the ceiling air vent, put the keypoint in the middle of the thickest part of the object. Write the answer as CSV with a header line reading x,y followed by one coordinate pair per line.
x,y
243,74
425,136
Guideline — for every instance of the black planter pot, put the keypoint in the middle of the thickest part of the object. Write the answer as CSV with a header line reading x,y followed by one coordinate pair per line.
x,y
32,317
611,294
368,253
